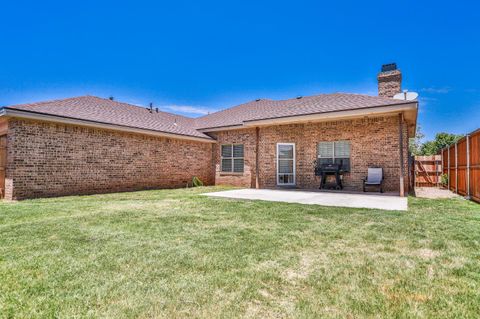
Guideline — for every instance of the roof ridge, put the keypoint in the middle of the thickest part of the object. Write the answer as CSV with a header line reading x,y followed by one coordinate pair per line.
x,y
228,108
48,101
138,106
289,99
95,97
366,95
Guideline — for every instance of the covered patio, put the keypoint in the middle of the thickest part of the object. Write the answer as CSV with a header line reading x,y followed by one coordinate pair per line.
x,y
386,201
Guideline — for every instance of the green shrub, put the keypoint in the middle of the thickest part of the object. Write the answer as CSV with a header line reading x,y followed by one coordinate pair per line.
x,y
196,182
445,179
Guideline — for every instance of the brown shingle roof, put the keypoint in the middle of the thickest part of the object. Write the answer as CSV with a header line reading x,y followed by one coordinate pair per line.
x,y
96,109
101,110
270,109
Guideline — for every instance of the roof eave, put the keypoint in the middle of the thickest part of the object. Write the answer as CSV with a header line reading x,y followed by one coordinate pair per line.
x,y
221,128
410,108
23,114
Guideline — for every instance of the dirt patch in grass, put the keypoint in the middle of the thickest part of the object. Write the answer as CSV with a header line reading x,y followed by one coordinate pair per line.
x,y
427,254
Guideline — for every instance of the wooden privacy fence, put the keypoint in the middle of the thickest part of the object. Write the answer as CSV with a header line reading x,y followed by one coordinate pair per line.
x,y
427,170
461,163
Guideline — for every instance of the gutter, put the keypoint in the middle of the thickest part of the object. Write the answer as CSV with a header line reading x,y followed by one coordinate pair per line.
x,y
32,115
222,128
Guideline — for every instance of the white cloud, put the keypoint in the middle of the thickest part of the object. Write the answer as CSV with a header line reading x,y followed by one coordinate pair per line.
x,y
369,92
424,98
424,102
435,90
188,109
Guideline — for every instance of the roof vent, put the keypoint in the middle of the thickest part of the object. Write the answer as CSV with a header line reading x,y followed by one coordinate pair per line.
x,y
299,97
258,100
389,67
111,98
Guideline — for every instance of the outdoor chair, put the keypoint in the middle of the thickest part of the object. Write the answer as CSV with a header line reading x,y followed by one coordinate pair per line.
x,y
374,178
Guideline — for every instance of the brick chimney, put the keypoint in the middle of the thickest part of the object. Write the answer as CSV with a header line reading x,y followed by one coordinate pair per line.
x,y
389,80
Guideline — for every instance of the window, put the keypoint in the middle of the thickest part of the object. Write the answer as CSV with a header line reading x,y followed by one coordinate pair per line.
x,y
232,158
337,152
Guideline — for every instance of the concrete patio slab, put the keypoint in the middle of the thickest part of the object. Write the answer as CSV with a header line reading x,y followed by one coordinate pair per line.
x,y
317,198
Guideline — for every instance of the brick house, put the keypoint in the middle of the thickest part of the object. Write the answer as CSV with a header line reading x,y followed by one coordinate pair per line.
x,y
87,145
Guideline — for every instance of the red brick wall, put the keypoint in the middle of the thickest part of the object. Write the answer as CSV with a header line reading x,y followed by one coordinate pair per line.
x,y
46,159
245,137
374,142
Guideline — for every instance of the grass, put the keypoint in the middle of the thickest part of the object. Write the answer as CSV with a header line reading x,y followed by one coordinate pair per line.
x,y
174,254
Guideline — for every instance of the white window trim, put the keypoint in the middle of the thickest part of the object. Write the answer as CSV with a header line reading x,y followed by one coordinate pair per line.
x,y
294,166
232,158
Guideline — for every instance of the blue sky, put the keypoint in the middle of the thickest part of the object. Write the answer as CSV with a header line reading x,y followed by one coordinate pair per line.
x,y
198,56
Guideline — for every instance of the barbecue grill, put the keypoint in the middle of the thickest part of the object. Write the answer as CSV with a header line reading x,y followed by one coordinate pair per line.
x,y
325,170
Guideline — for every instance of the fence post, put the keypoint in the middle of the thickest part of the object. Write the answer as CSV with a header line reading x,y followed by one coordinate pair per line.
x,y
448,168
468,167
456,169
443,167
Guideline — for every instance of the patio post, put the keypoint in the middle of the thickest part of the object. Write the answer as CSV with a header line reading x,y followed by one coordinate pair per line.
x,y
257,181
400,129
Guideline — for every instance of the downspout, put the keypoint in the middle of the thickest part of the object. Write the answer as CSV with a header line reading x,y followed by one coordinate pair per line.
x,y
257,156
400,144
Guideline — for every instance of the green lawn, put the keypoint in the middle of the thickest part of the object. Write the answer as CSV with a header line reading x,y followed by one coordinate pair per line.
x,y
175,254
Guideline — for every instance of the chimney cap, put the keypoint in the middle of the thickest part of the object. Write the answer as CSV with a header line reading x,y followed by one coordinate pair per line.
x,y
389,67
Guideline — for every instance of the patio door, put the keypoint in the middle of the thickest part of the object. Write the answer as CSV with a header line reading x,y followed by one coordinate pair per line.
x,y
285,164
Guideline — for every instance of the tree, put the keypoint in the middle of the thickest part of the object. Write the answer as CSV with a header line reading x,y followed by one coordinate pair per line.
x,y
442,140
415,143
428,148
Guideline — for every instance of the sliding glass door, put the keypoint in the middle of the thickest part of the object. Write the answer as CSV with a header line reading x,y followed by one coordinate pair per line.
x,y
285,164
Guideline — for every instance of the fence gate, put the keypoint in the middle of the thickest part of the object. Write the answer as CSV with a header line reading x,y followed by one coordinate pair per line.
x,y
427,171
